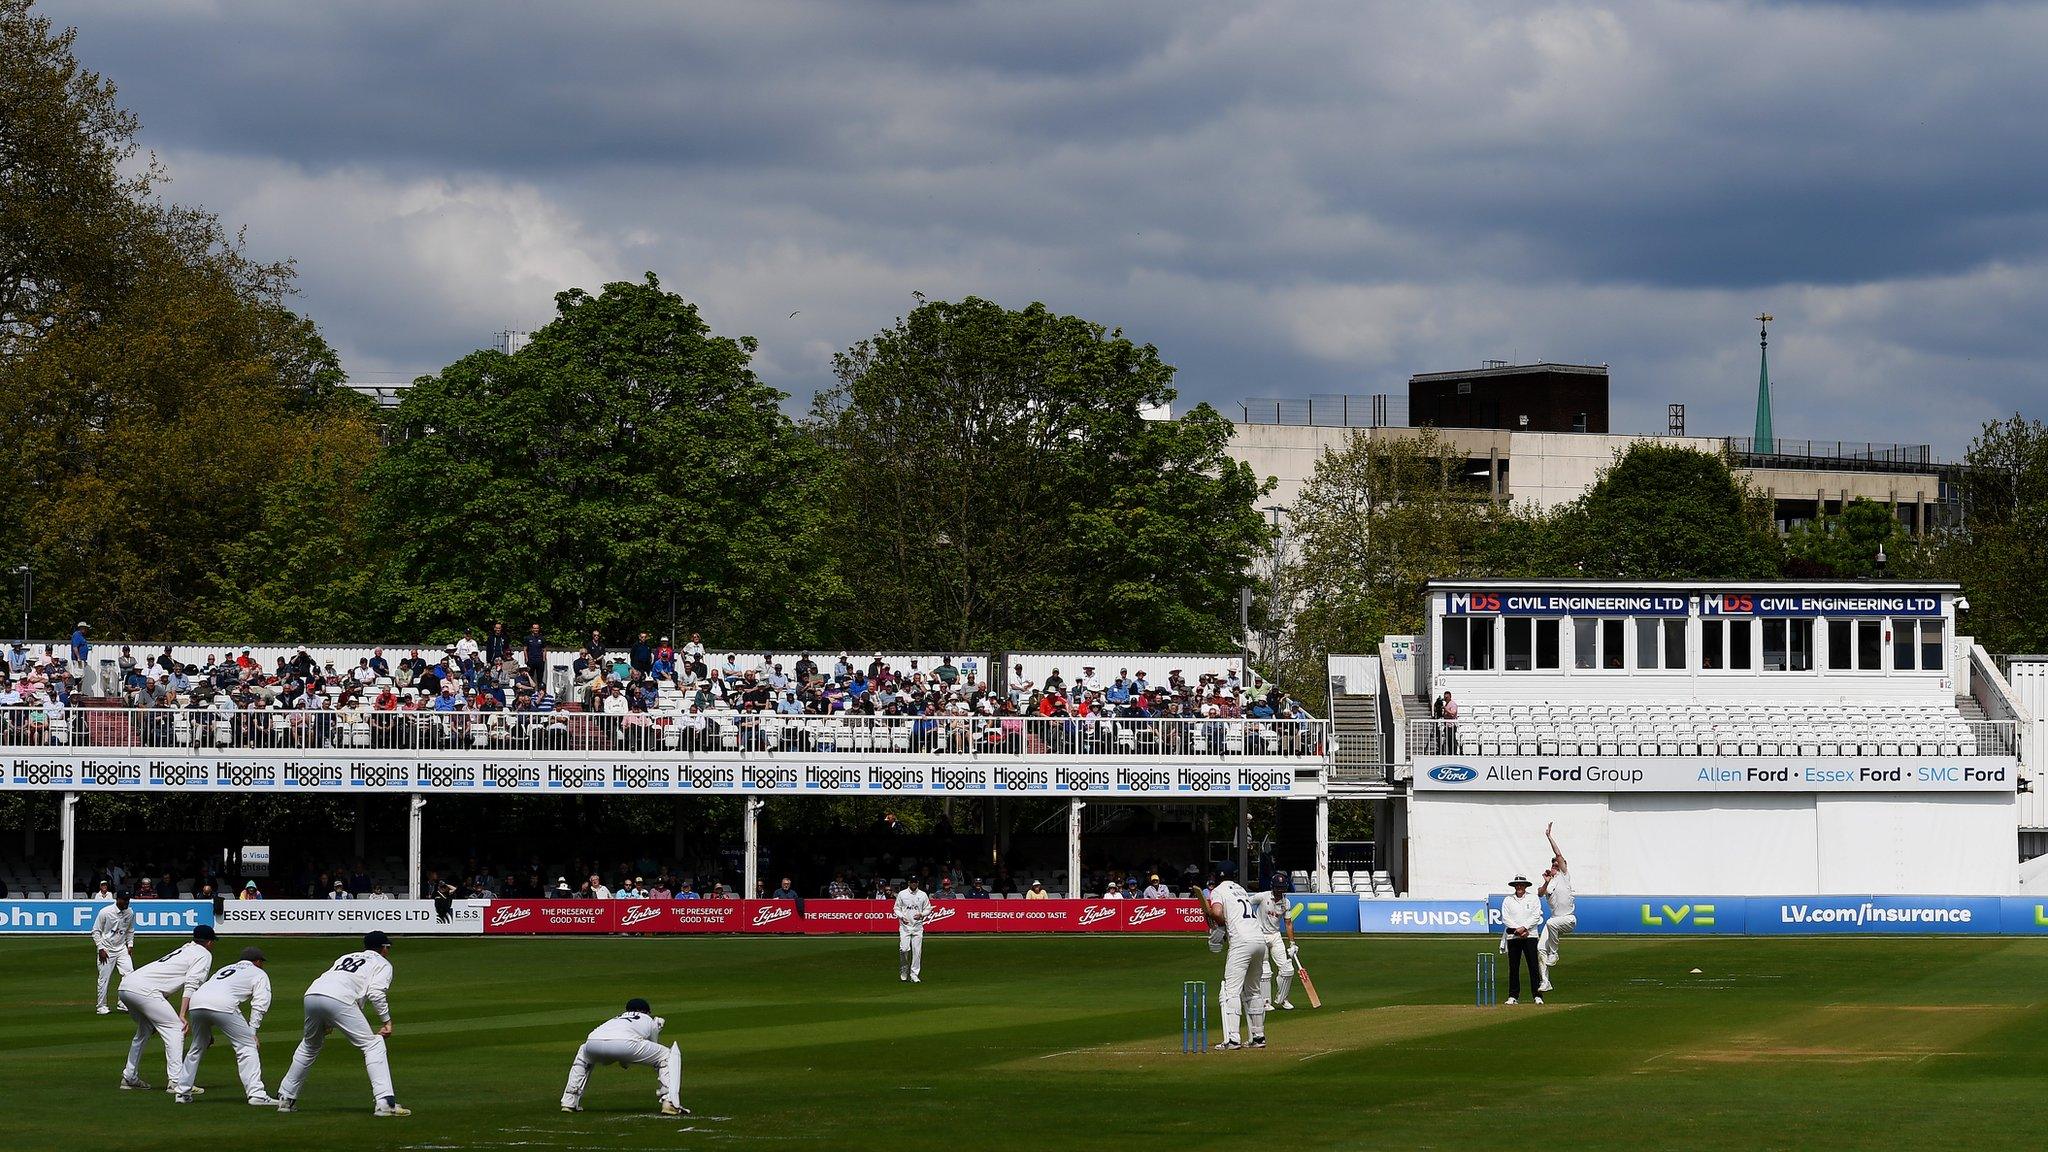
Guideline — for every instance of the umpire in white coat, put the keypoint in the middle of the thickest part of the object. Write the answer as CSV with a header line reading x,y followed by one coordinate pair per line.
x,y
631,1038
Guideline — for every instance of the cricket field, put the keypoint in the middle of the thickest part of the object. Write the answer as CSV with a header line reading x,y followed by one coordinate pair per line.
x,y
1073,1043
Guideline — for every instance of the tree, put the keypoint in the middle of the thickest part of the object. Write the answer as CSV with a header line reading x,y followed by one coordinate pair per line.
x,y
1664,512
2000,550
152,379
308,568
624,453
1378,519
1845,544
994,483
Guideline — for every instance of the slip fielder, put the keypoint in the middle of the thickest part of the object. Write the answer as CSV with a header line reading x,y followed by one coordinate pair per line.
x,y
913,908
143,995
630,1038
217,1007
113,936
334,1000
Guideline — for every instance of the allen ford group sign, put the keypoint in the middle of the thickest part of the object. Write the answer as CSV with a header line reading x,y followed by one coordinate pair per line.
x,y
56,917
1464,773
666,774
349,918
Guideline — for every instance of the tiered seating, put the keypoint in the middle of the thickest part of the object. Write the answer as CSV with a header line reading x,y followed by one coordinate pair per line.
x,y
1711,728
1368,883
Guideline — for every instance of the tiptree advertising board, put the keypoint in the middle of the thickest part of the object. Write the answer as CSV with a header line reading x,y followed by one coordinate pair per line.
x,y
349,917
1460,773
74,917
337,773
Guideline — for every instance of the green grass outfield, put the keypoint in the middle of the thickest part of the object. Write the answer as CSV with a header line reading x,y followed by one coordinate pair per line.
x,y
1072,1043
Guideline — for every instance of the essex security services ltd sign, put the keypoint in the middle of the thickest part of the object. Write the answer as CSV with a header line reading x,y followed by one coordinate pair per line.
x,y
1702,774
336,773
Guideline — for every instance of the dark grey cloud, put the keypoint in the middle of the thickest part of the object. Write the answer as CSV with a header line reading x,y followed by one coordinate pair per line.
x,y
1288,198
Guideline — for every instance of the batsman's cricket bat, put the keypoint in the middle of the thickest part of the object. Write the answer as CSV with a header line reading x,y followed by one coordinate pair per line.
x,y
1308,985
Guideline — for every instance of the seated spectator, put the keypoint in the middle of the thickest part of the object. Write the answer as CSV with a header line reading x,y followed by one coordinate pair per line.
x,y
1156,890
839,889
1037,891
786,892
979,891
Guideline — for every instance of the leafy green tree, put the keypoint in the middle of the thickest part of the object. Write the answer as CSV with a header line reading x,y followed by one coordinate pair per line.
x,y
994,483
1845,544
152,380
308,568
624,453
1664,512
2000,550
1378,519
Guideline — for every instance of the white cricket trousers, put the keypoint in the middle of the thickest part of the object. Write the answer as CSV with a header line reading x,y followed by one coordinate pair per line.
x,y
1553,929
322,1014
1242,989
207,1021
118,960
666,1062
153,1013
1282,965
910,949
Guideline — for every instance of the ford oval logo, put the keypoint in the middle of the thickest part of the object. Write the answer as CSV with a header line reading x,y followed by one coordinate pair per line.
x,y
1452,773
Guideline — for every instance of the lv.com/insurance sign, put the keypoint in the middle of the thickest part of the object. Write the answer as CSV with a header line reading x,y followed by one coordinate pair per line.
x,y
1715,774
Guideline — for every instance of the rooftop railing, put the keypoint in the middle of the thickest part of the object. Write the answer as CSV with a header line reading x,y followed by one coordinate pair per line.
x,y
288,731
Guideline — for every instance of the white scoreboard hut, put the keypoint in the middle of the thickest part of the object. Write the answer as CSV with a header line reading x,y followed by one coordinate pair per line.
x,y
1739,739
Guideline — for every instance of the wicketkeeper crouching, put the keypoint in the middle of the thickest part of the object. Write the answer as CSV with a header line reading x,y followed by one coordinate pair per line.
x,y
631,1038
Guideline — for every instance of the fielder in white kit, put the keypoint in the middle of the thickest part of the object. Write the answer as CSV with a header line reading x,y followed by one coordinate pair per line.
x,y
217,1007
334,1000
1237,912
1564,909
630,1038
913,908
1277,927
113,938
143,995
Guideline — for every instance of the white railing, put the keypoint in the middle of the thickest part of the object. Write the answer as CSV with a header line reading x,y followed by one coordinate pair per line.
x,y
745,733
1942,737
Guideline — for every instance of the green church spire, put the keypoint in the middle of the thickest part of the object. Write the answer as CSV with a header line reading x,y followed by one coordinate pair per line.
x,y
1764,441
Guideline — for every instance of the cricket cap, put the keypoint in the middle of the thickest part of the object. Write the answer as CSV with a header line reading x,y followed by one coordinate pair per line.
x,y
204,933
375,941
252,953
636,1004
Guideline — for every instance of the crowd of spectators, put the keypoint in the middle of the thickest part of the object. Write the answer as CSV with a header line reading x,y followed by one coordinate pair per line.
x,y
652,694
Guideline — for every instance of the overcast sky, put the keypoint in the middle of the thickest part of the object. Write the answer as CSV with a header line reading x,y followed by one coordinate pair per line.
x,y
1288,199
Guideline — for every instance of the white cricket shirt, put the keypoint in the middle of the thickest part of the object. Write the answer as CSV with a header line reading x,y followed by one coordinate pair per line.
x,y
630,1026
912,906
114,929
233,984
355,977
1273,912
1563,902
184,970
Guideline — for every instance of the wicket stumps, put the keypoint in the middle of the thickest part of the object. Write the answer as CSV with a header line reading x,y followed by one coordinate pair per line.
x,y
1194,1016
1482,980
